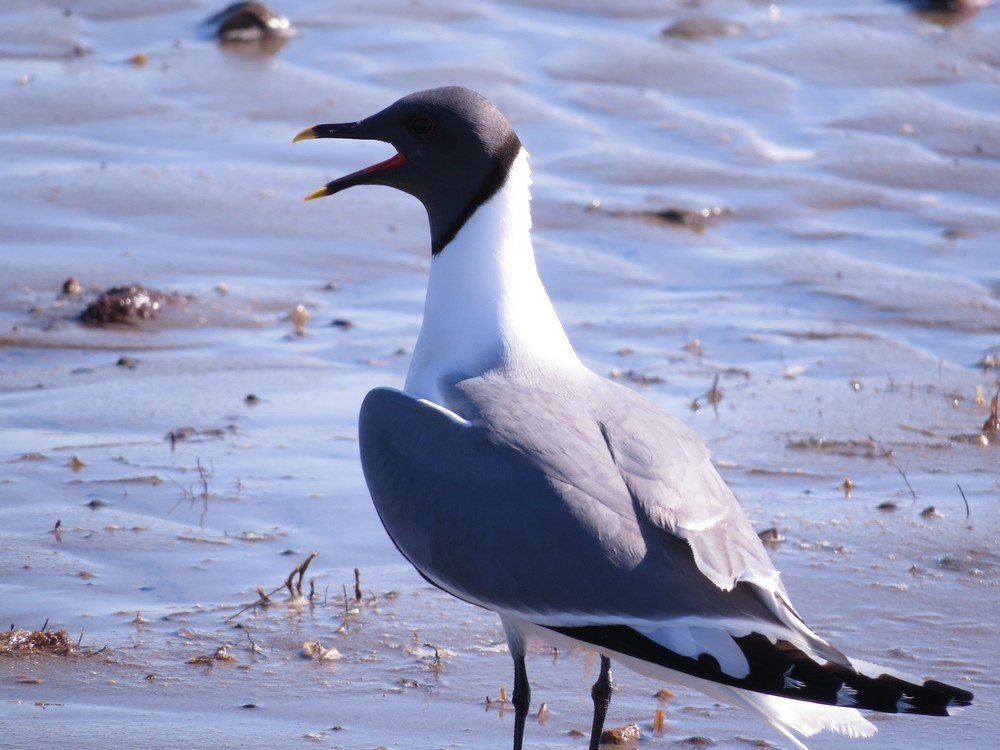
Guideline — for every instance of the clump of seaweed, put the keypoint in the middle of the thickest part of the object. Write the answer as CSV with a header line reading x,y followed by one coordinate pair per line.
x,y
20,642
129,305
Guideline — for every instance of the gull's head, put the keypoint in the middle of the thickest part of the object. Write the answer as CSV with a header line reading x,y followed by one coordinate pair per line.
x,y
454,150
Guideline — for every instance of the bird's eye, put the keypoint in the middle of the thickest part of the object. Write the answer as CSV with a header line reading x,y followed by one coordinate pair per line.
x,y
421,125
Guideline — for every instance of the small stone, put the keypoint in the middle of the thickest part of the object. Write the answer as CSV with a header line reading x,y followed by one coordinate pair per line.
x,y
316,652
771,536
626,735
299,317
250,22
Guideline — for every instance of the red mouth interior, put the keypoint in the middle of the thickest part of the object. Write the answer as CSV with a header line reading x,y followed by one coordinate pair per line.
x,y
390,163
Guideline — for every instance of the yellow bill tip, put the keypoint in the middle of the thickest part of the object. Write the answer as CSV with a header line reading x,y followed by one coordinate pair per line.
x,y
304,135
318,193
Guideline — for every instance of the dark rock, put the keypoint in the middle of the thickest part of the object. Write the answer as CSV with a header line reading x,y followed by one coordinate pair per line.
x,y
249,22
129,305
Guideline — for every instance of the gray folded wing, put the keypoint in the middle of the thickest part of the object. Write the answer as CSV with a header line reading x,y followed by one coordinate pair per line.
x,y
577,502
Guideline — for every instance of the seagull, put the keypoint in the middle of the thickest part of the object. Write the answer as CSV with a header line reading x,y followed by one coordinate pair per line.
x,y
515,478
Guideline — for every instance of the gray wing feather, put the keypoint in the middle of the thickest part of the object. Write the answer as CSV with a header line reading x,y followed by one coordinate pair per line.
x,y
668,471
664,466
561,499
473,516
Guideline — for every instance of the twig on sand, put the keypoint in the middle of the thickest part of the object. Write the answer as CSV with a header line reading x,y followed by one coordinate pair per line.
x,y
203,475
188,492
255,647
965,500
887,454
294,588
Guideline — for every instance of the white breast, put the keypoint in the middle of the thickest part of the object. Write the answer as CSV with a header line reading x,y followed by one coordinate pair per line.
x,y
486,307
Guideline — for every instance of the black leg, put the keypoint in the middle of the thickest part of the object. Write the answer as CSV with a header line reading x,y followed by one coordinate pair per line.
x,y
522,699
601,693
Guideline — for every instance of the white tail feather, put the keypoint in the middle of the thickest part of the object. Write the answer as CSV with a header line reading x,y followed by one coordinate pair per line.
x,y
787,715
784,714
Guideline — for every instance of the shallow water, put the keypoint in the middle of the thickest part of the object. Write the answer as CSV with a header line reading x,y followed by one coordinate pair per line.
x,y
845,297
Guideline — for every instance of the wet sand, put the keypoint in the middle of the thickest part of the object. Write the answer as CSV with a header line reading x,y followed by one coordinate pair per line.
x,y
846,294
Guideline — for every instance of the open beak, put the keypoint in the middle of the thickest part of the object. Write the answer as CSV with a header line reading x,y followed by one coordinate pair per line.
x,y
367,176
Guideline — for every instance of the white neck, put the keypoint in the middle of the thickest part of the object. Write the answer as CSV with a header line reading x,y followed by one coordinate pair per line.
x,y
486,308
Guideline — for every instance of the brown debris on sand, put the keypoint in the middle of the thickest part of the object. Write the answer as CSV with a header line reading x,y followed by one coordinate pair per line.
x,y
989,361
695,219
991,427
128,305
866,448
703,27
71,287
223,654
628,735
293,584
18,642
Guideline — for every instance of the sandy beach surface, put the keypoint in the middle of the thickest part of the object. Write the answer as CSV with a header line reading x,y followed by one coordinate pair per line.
x,y
779,221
